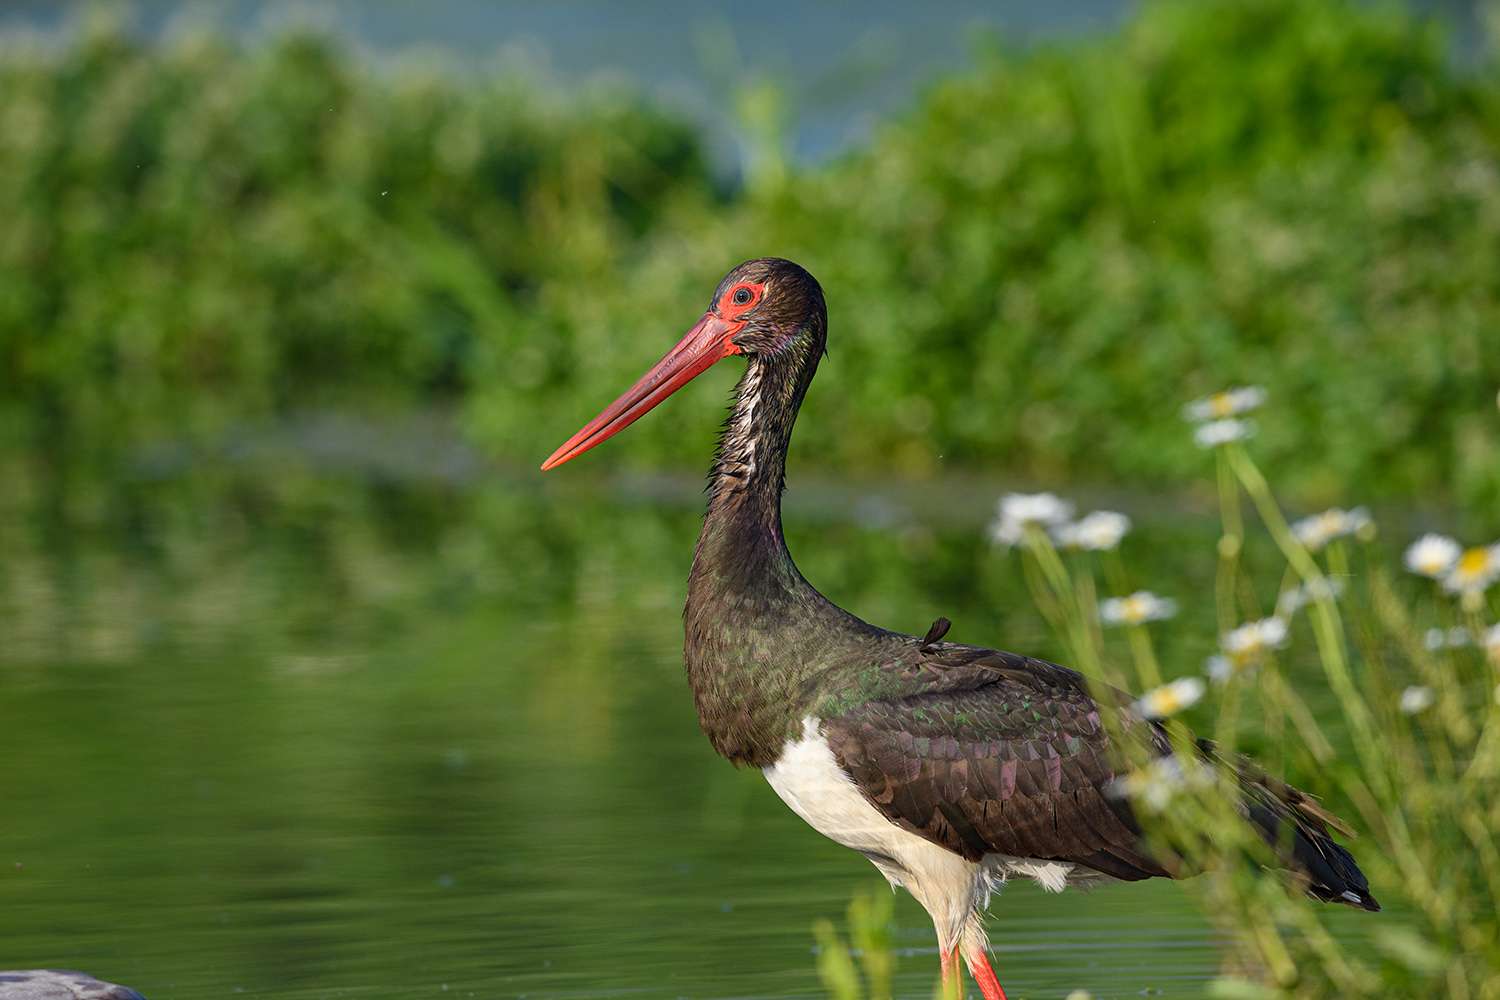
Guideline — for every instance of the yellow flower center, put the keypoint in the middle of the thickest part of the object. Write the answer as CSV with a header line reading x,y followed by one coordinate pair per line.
x,y
1220,404
1472,564
1165,702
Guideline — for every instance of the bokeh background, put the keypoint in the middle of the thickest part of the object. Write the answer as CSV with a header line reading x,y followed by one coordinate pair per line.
x,y
313,686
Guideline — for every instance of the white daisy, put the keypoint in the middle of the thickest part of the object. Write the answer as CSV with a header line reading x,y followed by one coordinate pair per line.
x,y
1474,571
1451,638
1137,609
1155,784
1221,432
1225,404
1320,529
1095,532
1416,699
1218,668
1432,555
1297,598
1256,638
1170,698
1018,511
1246,646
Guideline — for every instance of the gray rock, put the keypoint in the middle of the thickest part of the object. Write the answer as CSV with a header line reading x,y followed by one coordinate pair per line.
x,y
60,984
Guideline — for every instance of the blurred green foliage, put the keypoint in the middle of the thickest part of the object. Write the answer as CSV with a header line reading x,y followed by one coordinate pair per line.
x,y
1029,272
198,236
870,950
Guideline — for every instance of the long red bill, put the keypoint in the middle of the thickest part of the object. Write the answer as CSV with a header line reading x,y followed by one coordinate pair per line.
x,y
708,341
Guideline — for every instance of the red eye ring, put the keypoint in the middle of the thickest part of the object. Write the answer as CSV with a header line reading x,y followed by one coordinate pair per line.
x,y
741,299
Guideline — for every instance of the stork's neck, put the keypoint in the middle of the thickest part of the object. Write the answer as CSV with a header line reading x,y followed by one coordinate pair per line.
x,y
741,550
758,636
748,609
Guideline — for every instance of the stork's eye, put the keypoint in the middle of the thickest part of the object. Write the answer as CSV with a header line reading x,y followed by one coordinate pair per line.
x,y
741,296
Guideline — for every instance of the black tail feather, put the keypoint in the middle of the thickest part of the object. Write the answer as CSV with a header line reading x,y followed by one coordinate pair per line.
x,y
1324,866
1296,826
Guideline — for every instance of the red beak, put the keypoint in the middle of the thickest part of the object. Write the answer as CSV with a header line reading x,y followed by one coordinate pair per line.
x,y
708,341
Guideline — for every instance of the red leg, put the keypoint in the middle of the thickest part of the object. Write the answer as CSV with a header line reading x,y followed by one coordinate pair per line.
x,y
979,968
953,975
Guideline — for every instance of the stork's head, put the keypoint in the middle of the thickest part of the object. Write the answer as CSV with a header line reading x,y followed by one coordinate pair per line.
x,y
767,308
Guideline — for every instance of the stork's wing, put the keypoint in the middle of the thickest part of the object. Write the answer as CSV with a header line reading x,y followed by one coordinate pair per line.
x,y
990,752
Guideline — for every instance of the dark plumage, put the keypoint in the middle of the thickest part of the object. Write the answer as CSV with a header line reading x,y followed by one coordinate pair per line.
x,y
945,764
935,631
990,752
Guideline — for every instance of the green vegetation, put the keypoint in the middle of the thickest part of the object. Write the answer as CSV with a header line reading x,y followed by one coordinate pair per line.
x,y
1409,755
198,237
1037,266
863,967
1027,272
1407,751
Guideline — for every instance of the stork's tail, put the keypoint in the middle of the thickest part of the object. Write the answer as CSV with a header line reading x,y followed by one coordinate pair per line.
x,y
1296,826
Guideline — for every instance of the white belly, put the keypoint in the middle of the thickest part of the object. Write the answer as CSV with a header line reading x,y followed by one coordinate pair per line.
x,y
808,779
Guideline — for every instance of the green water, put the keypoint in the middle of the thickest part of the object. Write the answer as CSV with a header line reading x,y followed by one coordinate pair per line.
x,y
432,738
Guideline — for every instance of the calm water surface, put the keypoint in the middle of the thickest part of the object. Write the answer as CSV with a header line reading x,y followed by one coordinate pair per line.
x,y
437,741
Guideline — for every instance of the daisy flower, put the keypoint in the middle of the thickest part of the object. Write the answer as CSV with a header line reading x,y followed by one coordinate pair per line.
x,y
1228,403
1450,638
1246,646
1474,571
1095,532
1320,529
1297,598
1221,432
1432,555
1157,783
1416,698
1137,609
1018,511
1170,698
1256,638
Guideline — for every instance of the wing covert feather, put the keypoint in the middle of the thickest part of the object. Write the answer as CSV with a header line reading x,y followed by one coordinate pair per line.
x,y
992,753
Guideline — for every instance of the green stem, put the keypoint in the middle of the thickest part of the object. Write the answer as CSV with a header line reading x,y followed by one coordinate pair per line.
x,y
1330,637
1327,627
1230,542
1141,650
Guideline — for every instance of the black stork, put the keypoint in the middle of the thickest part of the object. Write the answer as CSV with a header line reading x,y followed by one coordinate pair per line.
x,y
950,767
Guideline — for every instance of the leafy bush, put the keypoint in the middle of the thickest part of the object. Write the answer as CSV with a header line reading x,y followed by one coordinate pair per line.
x,y
198,235
1028,271
1024,272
